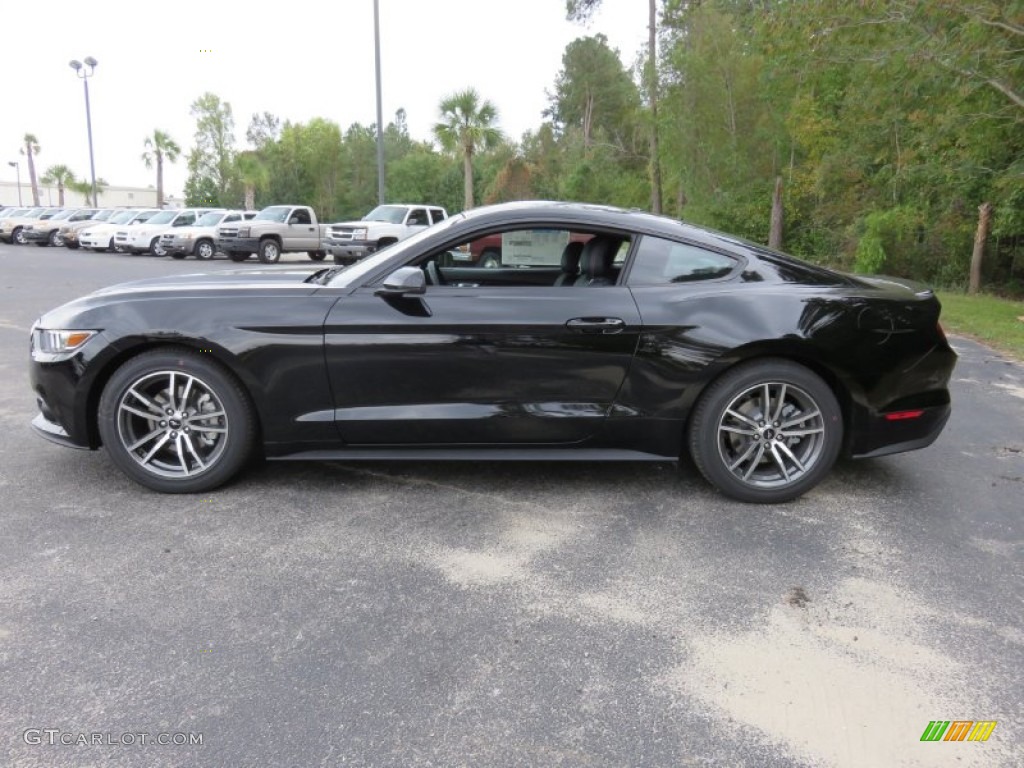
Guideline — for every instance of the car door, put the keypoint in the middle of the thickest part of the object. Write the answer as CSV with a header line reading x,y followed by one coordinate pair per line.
x,y
472,363
303,234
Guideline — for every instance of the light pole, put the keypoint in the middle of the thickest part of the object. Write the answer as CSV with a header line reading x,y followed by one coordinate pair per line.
x,y
17,167
85,74
380,117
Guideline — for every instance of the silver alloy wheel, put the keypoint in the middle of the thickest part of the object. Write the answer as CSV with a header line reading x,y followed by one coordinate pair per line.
x,y
55,239
269,251
204,250
156,248
771,435
172,424
19,236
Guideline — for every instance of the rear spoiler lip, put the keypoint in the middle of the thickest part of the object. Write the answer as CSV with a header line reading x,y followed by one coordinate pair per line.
x,y
920,290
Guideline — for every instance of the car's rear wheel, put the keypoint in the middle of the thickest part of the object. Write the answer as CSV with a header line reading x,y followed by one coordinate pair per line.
x,y
203,250
176,421
55,239
270,252
156,249
238,256
316,255
18,237
178,255
766,431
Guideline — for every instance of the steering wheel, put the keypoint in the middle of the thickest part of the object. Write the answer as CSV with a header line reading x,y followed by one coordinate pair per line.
x,y
434,274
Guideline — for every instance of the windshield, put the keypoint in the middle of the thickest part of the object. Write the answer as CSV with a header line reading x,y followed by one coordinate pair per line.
x,y
141,217
276,213
162,218
62,215
102,216
210,219
392,214
397,252
122,217
34,213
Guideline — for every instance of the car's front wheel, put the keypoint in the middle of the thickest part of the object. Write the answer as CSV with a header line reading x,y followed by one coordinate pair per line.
x,y
766,431
55,239
270,252
18,236
176,422
238,256
155,249
203,250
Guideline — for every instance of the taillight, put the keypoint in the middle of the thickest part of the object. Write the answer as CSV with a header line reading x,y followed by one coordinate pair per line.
x,y
902,415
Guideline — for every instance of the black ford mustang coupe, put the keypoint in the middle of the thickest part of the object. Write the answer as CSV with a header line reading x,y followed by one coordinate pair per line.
x,y
600,334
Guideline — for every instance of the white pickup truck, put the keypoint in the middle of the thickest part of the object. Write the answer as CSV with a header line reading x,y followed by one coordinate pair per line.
x,y
350,241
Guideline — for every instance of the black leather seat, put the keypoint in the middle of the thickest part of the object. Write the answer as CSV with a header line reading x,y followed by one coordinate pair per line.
x,y
570,263
596,260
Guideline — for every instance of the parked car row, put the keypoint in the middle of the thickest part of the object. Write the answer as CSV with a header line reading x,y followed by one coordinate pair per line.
x,y
204,232
154,231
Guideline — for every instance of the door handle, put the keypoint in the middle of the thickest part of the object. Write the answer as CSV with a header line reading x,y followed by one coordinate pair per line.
x,y
596,324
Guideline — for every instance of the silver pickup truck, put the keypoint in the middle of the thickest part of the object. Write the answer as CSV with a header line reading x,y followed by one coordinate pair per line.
x,y
273,231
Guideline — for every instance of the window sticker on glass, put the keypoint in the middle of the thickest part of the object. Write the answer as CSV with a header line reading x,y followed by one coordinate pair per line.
x,y
536,247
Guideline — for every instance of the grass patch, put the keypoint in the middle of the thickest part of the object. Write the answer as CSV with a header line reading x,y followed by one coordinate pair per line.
x,y
986,318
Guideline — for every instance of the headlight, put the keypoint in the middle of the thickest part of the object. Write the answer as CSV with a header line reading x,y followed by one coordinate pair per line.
x,y
59,342
244,231
359,233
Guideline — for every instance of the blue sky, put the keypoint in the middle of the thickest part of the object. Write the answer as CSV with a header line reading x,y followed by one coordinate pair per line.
x,y
297,60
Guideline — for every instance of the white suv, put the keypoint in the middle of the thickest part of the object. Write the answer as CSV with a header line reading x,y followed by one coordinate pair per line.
x,y
199,238
101,236
145,238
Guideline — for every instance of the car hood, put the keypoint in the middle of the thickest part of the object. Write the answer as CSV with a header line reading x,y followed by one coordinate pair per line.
x,y
270,277
216,285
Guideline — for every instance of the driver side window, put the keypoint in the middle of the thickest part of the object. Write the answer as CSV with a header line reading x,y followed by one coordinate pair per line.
x,y
548,257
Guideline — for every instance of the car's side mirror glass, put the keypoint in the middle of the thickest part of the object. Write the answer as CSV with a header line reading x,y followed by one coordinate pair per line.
x,y
404,281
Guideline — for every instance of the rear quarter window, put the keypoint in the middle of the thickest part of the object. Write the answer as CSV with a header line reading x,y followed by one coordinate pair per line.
x,y
664,262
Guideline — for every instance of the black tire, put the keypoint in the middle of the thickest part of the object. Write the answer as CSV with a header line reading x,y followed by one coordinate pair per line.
x,y
155,249
178,255
72,246
41,244
55,239
238,256
729,433
384,242
270,251
204,250
317,255
490,259
211,387
17,236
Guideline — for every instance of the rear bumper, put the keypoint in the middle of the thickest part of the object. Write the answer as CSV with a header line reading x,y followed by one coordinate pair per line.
x,y
881,437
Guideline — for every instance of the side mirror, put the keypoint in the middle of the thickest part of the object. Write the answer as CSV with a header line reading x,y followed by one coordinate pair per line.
x,y
404,281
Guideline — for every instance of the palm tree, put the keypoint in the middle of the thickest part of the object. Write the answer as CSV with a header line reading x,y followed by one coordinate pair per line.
x,y
253,175
163,148
60,175
85,188
467,125
30,151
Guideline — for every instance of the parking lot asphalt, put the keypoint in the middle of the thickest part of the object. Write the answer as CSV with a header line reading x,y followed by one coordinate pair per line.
x,y
503,614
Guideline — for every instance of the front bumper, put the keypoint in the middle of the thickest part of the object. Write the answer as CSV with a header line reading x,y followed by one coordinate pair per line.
x,y
55,433
36,235
238,244
346,251
177,245
95,241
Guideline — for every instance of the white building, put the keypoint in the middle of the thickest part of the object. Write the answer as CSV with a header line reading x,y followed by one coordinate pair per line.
x,y
111,197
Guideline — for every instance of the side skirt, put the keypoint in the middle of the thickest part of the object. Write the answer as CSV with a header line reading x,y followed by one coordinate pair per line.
x,y
472,454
